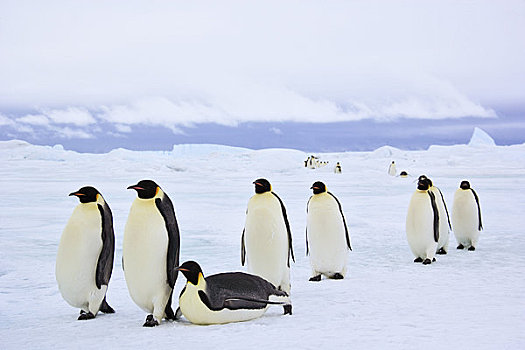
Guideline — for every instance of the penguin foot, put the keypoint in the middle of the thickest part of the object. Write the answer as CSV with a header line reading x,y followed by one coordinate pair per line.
x,y
105,308
150,322
85,316
178,314
427,261
433,259
315,278
418,260
441,251
461,246
337,276
472,248
287,309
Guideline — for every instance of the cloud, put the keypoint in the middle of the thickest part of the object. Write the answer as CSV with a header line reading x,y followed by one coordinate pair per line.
x,y
34,119
70,133
5,121
72,115
276,131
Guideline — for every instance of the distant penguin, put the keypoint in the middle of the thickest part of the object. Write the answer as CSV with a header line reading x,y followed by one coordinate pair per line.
x,y
327,239
466,217
392,169
403,174
226,297
444,225
422,224
150,251
85,254
266,241
338,169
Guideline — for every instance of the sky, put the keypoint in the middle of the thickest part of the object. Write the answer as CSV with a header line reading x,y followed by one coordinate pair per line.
x,y
96,75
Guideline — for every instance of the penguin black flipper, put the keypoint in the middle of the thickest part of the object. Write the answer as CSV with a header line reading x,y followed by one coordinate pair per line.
x,y
107,254
480,225
290,247
165,208
243,248
344,221
446,210
436,215
307,248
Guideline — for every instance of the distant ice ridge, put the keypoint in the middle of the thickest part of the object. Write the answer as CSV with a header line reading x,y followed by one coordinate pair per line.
x,y
481,139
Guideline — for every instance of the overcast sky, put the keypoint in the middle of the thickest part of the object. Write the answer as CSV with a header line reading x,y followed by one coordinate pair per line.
x,y
68,67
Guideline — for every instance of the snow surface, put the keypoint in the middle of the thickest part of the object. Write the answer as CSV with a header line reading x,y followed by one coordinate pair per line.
x,y
467,300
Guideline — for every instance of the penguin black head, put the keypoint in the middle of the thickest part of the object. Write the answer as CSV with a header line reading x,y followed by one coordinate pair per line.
x,y
191,270
423,184
465,185
403,173
318,187
86,194
146,189
425,178
262,185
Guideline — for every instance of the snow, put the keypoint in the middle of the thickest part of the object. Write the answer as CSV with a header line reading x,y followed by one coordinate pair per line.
x,y
466,299
481,139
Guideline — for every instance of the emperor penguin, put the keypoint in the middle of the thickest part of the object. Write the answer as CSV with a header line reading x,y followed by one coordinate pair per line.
x,y
226,297
444,225
327,238
150,251
422,223
392,169
338,169
466,217
266,241
85,254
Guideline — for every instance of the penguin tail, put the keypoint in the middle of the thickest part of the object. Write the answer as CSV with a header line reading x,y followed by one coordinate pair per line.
x,y
105,308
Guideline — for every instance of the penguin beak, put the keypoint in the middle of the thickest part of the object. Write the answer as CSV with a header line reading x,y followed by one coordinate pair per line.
x,y
76,194
314,188
135,187
178,268
257,184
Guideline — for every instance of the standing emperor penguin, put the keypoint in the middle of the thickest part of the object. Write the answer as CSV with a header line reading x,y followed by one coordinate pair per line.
x,y
444,225
85,254
327,239
422,223
150,252
226,297
266,241
392,169
466,217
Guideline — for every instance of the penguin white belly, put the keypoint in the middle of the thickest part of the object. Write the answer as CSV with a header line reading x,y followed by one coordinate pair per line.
x,y
144,254
266,239
465,218
420,226
197,312
326,236
443,221
77,257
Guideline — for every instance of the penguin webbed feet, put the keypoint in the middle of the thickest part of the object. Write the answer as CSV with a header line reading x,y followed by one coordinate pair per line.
x,y
427,261
418,260
337,276
150,322
460,246
85,315
105,308
178,314
287,309
315,278
441,251
472,248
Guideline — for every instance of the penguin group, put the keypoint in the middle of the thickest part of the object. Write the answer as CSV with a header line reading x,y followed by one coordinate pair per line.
x,y
428,223
151,251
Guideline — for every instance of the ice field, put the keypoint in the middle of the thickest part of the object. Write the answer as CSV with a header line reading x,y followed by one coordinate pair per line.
x,y
466,300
